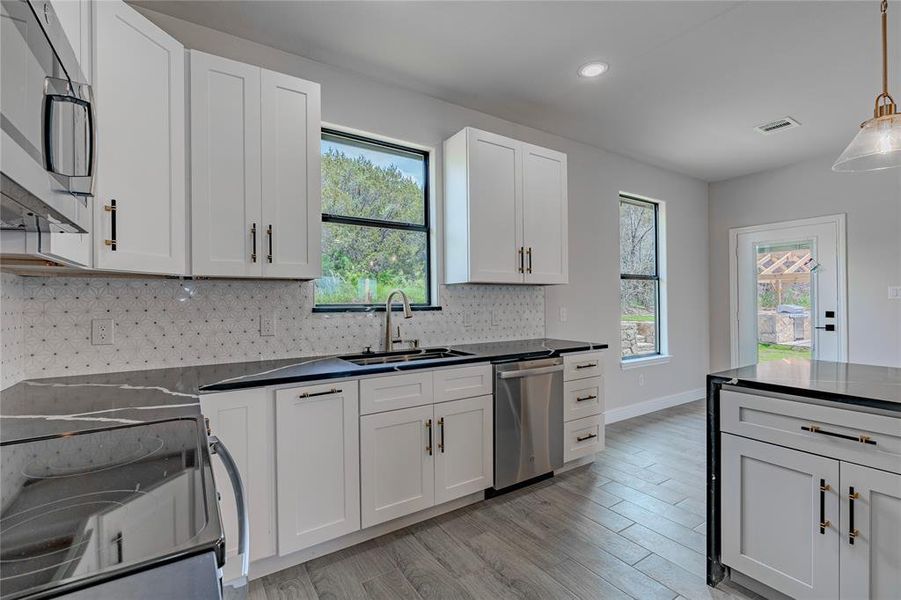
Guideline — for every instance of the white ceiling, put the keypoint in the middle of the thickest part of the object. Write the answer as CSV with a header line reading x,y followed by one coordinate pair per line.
x,y
688,81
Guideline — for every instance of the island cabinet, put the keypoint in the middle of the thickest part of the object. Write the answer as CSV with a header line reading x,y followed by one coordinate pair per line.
x,y
255,198
505,211
139,87
811,496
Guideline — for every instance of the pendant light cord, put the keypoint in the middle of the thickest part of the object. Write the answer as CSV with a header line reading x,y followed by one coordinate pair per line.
x,y
885,104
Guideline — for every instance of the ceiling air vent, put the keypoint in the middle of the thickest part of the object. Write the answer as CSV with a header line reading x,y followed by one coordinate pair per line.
x,y
778,125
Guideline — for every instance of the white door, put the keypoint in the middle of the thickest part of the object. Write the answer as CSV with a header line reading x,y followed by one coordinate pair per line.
x,y
139,81
544,210
317,442
871,509
772,516
788,291
463,447
226,220
397,473
244,421
495,208
291,181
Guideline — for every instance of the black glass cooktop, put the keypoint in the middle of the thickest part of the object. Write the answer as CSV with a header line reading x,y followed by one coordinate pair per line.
x,y
81,508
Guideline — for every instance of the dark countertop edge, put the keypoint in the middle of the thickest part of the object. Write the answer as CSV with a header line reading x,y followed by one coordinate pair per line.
x,y
353,370
808,393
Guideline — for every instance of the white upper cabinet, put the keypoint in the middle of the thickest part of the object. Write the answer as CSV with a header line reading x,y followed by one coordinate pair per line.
x,y
291,182
505,211
226,188
139,84
255,200
75,18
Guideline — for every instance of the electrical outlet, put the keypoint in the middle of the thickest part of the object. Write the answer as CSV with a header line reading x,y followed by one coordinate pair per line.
x,y
103,332
641,379
563,314
267,324
894,292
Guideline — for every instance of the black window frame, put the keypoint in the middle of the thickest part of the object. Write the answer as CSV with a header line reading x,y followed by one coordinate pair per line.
x,y
655,277
425,227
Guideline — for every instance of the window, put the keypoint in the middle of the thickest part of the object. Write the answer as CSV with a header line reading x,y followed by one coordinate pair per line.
x,y
375,223
641,323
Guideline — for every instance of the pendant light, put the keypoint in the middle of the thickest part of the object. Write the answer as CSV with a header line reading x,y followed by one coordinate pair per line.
x,y
878,143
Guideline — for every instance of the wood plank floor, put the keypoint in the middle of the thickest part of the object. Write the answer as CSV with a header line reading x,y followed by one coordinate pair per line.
x,y
631,525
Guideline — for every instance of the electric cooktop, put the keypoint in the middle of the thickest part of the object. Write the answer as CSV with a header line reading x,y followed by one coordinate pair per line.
x,y
81,508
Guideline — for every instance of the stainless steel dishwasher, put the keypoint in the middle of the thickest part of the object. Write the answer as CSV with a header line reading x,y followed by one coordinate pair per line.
x,y
528,420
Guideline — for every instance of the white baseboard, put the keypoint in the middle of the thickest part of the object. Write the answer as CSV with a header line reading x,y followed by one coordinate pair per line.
x,y
648,406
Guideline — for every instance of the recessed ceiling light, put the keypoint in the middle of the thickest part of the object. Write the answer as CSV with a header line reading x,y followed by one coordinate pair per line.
x,y
593,69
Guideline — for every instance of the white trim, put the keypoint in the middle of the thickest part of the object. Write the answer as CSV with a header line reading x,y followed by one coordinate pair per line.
x,y
269,565
839,220
648,406
644,361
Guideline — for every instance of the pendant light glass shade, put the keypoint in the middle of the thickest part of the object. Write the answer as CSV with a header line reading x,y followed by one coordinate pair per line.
x,y
876,146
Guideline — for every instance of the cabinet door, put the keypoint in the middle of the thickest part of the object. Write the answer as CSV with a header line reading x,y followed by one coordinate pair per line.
x,y
245,422
318,468
771,514
139,81
871,559
75,18
225,167
397,475
291,183
464,443
495,208
544,208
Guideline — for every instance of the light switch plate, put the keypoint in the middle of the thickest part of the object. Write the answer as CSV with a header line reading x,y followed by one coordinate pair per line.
x,y
103,332
267,324
894,292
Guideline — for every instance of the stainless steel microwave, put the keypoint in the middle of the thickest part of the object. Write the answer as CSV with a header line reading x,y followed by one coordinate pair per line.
x,y
48,124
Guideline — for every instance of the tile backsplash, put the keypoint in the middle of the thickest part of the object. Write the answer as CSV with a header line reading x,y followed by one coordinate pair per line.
x,y
46,325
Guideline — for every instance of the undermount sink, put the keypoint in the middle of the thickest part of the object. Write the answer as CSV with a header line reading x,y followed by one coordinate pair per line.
x,y
379,358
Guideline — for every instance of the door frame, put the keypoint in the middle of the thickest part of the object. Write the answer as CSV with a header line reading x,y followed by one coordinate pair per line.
x,y
838,221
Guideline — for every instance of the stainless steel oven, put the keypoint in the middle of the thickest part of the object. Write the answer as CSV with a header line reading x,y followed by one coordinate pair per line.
x,y
47,121
528,420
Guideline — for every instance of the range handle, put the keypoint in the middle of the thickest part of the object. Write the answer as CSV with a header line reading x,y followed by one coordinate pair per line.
x,y
231,469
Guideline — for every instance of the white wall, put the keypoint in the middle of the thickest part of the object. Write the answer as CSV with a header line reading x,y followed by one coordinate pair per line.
x,y
595,179
872,203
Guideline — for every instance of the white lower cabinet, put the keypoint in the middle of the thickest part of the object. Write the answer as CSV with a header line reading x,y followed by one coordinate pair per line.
x,y
774,503
870,555
464,459
317,443
397,473
245,422
414,458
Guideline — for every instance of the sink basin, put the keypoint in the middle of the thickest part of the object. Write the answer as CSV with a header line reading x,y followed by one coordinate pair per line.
x,y
402,356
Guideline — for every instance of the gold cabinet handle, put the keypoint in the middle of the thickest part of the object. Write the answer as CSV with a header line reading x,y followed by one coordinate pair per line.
x,y
441,439
111,208
428,426
522,260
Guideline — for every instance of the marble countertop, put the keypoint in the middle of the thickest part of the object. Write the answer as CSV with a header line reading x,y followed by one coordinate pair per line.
x,y
849,383
60,405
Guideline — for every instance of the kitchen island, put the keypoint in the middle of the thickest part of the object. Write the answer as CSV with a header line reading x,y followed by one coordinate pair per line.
x,y
795,451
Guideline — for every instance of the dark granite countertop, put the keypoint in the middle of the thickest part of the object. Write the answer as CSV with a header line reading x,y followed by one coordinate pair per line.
x,y
849,383
60,405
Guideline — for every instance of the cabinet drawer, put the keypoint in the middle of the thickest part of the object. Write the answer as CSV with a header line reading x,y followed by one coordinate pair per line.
x,y
465,382
874,440
583,398
583,437
395,391
582,366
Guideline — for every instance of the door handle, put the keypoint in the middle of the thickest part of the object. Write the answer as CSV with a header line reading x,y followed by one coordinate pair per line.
x,y
829,327
852,533
231,469
528,372
111,208
586,437
522,260
441,439
529,253
253,238
584,398
269,234
824,487
428,426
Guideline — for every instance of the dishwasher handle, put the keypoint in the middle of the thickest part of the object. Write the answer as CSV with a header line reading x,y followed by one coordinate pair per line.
x,y
231,468
529,372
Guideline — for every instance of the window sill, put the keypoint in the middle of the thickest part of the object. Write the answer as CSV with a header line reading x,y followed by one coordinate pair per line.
x,y
645,361
368,308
